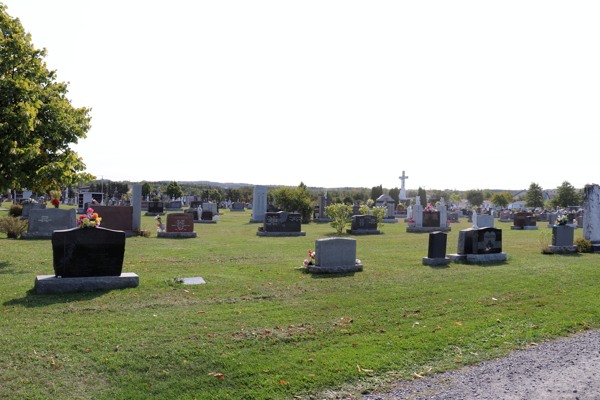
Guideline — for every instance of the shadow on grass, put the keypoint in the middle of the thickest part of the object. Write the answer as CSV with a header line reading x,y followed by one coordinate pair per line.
x,y
490,264
5,271
334,234
332,276
439,266
33,299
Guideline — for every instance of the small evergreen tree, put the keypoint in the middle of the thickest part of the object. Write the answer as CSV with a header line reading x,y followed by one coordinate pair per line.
x,y
535,196
376,191
423,196
475,197
173,190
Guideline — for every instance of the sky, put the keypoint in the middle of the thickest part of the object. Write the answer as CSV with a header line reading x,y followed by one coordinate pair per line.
x,y
459,94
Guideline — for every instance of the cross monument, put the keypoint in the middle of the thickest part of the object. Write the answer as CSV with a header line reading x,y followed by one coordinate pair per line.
x,y
402,189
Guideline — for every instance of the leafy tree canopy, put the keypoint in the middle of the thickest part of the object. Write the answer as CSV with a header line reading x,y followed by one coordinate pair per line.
x,y
37,120
566,195
535,196
475,197
173,190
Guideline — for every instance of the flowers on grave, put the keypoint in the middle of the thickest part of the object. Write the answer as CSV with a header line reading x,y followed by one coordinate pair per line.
x,y
55,195
429,208
411,220
562,220
55,202
313,256
89,220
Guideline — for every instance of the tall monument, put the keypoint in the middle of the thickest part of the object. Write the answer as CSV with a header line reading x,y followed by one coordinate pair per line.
x,y
403,187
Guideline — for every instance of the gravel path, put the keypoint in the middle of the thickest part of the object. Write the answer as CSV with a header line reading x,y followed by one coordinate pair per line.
x,y
568,368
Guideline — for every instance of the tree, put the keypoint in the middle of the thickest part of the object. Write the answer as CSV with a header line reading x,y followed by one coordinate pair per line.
x,y
395,194
436,195
376,191
348,200
566,195
475,197
146,189
294,200
535,196
173,190
487,194
37,120
341,216
502,199
423,196
302,185
455,198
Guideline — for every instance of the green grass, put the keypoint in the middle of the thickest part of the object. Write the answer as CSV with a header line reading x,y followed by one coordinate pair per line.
x,y
273,331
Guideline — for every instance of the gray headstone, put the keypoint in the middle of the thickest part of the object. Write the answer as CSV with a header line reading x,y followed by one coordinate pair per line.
x,y
259,201
27,207
335,252
591,213
136,191
50,219
193,281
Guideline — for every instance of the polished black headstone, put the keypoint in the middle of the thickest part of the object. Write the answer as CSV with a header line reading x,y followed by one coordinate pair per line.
x,y
196,204
282,222
156,207
364,222
431,219
437,245
480,241
207,215
84,252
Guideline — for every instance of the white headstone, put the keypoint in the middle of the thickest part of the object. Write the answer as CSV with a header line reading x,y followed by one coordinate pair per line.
x,y
591,213
475,219
402,187
259,201
443,214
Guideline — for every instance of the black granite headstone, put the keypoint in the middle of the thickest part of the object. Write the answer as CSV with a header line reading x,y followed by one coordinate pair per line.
x,y
480,241
192,211
282,222
156,207
207,215
84,252
364,222
437,245
196,204
431,219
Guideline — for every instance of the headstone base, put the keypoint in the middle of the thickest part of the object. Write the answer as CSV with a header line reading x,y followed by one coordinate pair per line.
x,y
176,235
153,214
595,248
205,221
48,284
314,269
478,258
436,261
363,232
422,229
194,281
523,228
33,235
390,220
505,220
563,249
280,234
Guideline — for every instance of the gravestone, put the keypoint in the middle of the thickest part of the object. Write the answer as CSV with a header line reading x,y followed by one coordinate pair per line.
x,y
479,245
551,219
144,205
118,218
363,225
485,221
355,209
259,202
505,216
335,255
431,219
84,252
324,202
524,221
281,223
212,207
42,222
443,213
194,212
562,239
155,208
453,217
237,206
179,226
436,253
31,206
207,216
196,204
591,215
174,206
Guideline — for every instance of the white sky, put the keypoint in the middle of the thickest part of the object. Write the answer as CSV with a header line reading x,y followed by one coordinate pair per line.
x,y
460,94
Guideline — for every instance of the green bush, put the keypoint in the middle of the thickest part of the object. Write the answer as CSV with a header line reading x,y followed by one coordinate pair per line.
x,y
583,245
379,213
12,226
294,200
364,210
15,210
341,215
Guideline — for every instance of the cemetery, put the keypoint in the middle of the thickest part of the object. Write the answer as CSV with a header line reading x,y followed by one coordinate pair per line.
x,y
112,269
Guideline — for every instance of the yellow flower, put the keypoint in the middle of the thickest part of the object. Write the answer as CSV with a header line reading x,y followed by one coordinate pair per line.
x,y
86,220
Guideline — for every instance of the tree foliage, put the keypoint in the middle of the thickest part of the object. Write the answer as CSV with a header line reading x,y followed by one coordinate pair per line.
x,y
475,197
502,199
37,120
566,195
423,196
395,194
146,189
173,190
294,200
376,191
535,196
455,198
379,213
341,215
488,194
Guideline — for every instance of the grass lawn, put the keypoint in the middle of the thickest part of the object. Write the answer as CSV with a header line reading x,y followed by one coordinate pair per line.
x,y
262,329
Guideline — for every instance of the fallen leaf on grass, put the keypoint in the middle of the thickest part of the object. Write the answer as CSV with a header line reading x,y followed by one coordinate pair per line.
x,y
283,382
87,350
533,344
457,323
354,344
416,323
417,375
359,369
381,330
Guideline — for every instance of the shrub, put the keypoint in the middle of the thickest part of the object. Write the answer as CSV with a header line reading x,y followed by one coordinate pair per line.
x,y
370,203
294,199
12,226
341,216
545,239
379,213
364,210
583,245
155,199
15,210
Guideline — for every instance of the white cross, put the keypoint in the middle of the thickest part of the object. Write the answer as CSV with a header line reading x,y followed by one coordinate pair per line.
x,y
402,190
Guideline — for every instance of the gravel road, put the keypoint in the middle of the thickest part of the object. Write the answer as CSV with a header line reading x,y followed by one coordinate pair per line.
x,y
568,368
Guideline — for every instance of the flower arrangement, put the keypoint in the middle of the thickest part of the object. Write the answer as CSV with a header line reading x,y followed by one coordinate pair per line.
x,y
429,208
159,224
562,220
313,256
89,220
55,202
411,220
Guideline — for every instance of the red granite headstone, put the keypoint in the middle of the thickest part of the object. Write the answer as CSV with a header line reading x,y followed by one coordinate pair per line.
x,y
180,222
